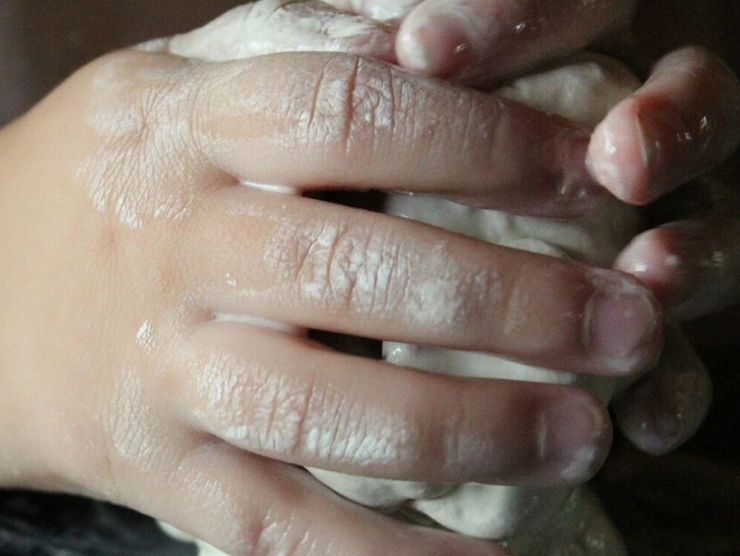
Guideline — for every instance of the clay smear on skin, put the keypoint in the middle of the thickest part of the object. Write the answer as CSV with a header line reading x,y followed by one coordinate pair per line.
x,y
287,415
133,426
141,170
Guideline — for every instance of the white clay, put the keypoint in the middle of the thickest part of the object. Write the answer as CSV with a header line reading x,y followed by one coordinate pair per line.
x,y
271,26
382,10
530,521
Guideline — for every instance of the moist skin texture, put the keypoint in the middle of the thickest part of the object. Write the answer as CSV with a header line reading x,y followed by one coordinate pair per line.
x,y
556,521
530,521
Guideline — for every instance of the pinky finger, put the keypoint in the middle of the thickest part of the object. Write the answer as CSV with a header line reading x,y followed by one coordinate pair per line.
x,y
667,407
244,504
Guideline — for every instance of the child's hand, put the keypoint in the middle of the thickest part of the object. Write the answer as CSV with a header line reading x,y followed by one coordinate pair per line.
x,y
124,231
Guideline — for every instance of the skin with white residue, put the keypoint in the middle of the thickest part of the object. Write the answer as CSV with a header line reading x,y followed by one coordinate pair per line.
x,y
114,117
583,89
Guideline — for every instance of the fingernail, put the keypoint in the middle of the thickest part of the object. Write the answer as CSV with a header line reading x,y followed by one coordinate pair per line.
x,y
666,145
437,46
574,438
640,153
653,258
622,324
605,162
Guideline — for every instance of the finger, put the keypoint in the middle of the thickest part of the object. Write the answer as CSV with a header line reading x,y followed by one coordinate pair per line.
x,y
692,266
684,120
666,408
482,41
382,10
281,397
244,505
334,268
336,121
271,26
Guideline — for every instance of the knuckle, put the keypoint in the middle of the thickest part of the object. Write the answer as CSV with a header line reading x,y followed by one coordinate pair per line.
x,y
248,525
305,420
119,89
289,415
135,110
272,532
256,407
449,447
341,267
99,71
144,102
132,441
352,104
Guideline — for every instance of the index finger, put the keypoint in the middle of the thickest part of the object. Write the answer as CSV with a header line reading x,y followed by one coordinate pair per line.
x,y
328,121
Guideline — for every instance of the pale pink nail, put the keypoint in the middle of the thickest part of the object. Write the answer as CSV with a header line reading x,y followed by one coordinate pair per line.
x,y
622,328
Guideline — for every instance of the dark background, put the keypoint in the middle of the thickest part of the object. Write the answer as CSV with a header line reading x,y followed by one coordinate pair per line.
x,y
684,504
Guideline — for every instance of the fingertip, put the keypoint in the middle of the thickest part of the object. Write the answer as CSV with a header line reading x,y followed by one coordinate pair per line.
x,y
624,328
691,265
682,122
578,435
677,410
652,258
433,44
667,407
617,158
